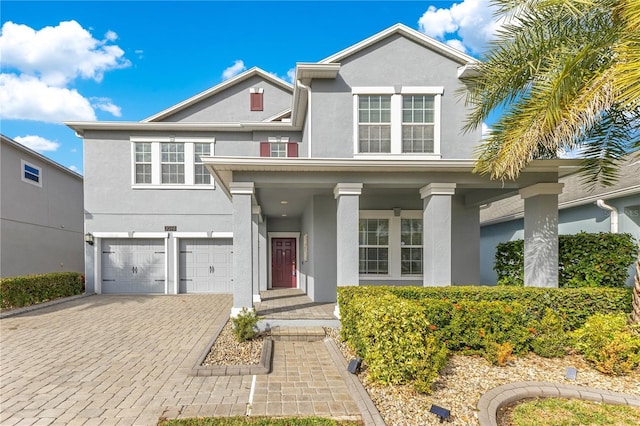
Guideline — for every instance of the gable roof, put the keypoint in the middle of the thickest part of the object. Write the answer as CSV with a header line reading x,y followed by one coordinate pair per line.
x,y
255,71
574,193
409,33
7,140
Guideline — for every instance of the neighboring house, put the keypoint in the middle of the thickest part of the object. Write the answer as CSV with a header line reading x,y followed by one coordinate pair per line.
x,y
579,212
358,173
41,205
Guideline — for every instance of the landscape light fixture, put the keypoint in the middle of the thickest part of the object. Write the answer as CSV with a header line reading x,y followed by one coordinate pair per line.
x,y
88,238
443,413
572,373
354,365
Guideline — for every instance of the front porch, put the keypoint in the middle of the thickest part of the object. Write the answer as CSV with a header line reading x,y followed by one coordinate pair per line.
x,y
291,307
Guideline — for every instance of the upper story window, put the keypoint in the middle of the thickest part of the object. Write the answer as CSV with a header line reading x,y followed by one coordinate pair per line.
x,y
374,123
30,173
172,161
418,122
393,121
164,162
201,174
278,147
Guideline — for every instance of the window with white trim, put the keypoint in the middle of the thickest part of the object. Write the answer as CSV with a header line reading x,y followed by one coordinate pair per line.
x,y
418,118
374,246
200,173
374,123
390,246
392,121
411,246
169,162
143,162
30,173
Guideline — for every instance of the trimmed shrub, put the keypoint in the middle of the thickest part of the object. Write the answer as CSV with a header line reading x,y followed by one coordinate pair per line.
x,y
245,325
17,292
609,343
395,339
551,340
572,305
584,260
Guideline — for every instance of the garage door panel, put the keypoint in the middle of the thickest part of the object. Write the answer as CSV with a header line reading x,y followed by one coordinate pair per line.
x,y
133,266
205,266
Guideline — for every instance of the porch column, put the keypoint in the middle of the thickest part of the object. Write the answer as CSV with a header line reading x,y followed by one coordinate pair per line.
x,y
436,233
242,198
255,236
347,250
541,234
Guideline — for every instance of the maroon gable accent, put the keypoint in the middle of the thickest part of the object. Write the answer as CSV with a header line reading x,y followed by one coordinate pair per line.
x,y
257,101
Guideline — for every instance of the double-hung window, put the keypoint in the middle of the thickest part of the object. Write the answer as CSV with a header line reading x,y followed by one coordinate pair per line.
x,y
201,174
374,246
418,122
278,147
171,162
390,246
393,121
374,123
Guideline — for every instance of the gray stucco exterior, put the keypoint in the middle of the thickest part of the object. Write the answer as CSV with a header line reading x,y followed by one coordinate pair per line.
x,y
354,217
41,228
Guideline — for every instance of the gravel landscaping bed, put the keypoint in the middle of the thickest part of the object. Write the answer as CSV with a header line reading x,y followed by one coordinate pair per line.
x,y
228,351
466,378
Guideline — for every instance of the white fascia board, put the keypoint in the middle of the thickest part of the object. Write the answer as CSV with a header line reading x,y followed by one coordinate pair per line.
x,y
308,71
410,33
81,126
217,89
469,70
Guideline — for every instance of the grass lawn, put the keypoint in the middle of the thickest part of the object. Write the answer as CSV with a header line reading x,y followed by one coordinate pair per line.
x,y
571,412
259,421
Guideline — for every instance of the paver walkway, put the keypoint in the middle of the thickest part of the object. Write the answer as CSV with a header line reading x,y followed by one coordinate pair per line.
x,y
104,360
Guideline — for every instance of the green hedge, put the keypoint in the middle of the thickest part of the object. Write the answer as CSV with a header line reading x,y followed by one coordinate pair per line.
x,y
573,305
16,292
584,260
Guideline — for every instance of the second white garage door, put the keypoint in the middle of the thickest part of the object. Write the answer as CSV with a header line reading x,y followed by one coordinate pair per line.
x,y
205,265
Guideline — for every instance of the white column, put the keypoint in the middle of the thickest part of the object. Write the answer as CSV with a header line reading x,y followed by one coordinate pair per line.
x,y
347,250
242,199
541,234
436,233
255,235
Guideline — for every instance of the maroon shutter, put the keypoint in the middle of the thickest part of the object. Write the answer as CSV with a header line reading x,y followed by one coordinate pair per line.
x,y
292,149
256,101
265,149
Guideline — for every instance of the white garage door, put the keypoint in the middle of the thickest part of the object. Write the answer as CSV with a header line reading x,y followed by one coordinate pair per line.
x,y
205,265
133,266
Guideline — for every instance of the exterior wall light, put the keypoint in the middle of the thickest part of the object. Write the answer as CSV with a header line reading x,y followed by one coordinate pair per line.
x,y
88,238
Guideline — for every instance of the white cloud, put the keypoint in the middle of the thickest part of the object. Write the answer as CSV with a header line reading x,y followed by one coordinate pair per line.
x,y
74,168
105,104
235,69
456,44
486,130
27,98
291,75
37,143
472,21
60,54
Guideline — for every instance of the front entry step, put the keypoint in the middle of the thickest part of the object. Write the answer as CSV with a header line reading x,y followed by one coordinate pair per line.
x,y
297,334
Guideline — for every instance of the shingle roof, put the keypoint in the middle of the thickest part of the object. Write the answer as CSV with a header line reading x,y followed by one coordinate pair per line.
x,y
574,193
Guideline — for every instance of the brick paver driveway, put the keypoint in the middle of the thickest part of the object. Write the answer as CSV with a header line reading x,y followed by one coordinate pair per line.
x,y
113,360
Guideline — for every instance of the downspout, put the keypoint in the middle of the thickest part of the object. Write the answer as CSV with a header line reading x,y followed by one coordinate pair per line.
x,y
308,89
613,217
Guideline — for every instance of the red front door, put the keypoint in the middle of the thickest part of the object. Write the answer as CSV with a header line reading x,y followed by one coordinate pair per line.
x,y
283,263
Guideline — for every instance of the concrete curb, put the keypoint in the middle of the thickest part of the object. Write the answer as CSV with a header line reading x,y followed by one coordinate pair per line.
x,y
264,367
54,302
490,402
370,414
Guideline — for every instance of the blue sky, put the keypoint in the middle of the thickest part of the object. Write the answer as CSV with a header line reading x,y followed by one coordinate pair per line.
x,y
127,60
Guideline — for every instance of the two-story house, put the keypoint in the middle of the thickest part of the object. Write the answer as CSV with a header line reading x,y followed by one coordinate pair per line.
x,y
358,173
